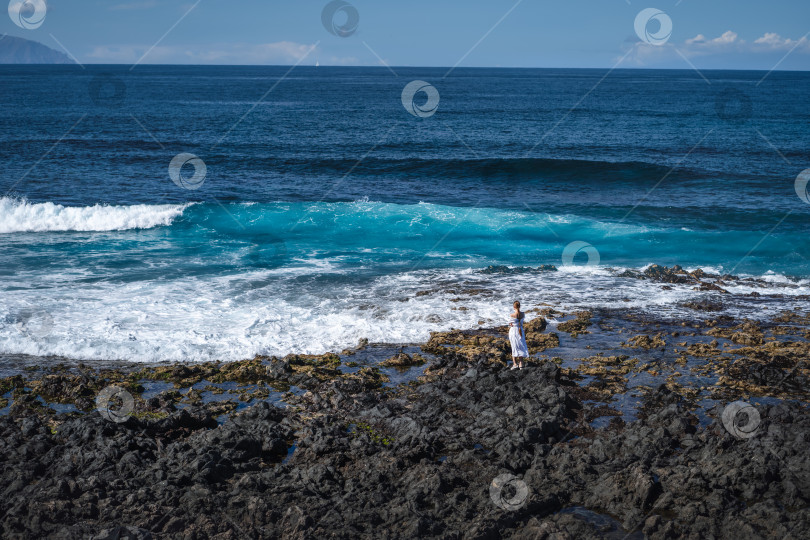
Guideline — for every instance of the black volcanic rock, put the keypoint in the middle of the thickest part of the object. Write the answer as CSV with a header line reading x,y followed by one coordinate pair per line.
x,y
469,449
15,50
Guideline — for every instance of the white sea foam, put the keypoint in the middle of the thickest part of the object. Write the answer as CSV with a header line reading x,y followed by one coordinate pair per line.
x,y
774,277
265,312
18,215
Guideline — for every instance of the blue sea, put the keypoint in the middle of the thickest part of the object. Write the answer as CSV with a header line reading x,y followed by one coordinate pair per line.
x,y
318,206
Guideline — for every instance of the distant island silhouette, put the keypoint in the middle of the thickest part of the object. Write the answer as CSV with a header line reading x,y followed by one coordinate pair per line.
x,y
16,50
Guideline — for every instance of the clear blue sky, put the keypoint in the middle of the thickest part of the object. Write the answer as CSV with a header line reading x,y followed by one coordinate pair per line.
x,y
747,34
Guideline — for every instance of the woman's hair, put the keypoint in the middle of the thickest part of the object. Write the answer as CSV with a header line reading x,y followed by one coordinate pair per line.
x,y
516,304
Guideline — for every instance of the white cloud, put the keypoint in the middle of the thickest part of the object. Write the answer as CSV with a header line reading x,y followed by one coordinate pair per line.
x,y
773,41
729,42
700,38
263,53
115,54
702,45
280,52
770,38
727,37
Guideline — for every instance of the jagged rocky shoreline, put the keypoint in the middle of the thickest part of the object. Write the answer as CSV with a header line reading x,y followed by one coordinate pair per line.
x,y
335,445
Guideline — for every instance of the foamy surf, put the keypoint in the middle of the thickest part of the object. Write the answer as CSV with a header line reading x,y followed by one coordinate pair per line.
x,y
18,215
290,310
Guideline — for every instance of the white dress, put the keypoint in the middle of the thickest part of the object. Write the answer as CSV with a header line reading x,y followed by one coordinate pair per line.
x,y
518,342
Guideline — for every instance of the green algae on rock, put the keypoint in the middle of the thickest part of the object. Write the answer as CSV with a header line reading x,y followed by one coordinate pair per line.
x,y
577,325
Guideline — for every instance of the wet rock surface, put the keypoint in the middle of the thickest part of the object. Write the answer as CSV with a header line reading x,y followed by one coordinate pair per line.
x,y
415,461
403,360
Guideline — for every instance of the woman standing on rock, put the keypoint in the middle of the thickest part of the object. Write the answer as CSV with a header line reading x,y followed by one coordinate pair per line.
x,y
517,337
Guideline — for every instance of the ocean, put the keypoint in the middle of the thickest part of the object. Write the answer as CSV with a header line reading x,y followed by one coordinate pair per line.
x,y
326,207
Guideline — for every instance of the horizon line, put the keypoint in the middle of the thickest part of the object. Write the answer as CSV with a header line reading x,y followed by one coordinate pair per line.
x,y
638,68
